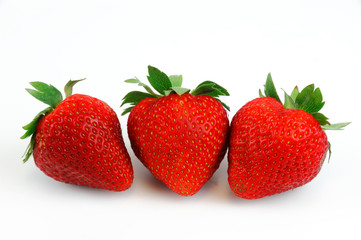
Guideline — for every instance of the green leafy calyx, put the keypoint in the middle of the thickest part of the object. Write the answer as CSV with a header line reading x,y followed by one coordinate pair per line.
x,y
49,95
308,99
165,85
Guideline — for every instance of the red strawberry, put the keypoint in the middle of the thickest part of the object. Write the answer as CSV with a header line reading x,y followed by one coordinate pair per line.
x,y
78,140
275,148
180,137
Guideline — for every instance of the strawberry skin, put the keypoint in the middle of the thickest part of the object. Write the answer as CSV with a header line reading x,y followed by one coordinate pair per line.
x,y
181,139
276,147
273,149
178,134
80,142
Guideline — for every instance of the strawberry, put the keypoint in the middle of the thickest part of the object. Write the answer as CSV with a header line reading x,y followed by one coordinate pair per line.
x,y
78,140
273,147
180,136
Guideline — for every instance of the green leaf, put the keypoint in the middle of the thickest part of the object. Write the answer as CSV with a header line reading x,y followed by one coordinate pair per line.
x,y
180,90
135,97
159,80
329,151
224,105
167,92
205,89
45,93
215,86
210,88
176,80
31,127
260,93
305,95
146,87
310,99
270,90
68,89
29,149
336,126
132,80
322,119
295,93
30,131
127,110
166,85
289,103
318,103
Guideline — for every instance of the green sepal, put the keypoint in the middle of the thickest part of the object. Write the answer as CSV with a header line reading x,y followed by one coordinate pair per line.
x,y
205,89
45,93
133,98
210,88
294,93
134,80
30,130
165,85
329,151
322,119
224,105
260,94
289,102
180,90
335,126
68,89
49,95
269,88
146,87
127,110
310,99
30,127
168,92
176,80
158,79
29,149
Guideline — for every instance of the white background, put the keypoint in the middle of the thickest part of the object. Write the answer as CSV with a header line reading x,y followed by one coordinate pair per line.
x,y
235,43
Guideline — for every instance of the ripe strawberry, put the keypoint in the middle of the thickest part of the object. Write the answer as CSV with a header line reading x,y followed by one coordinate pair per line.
x,y
78,140
179,136
275,148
